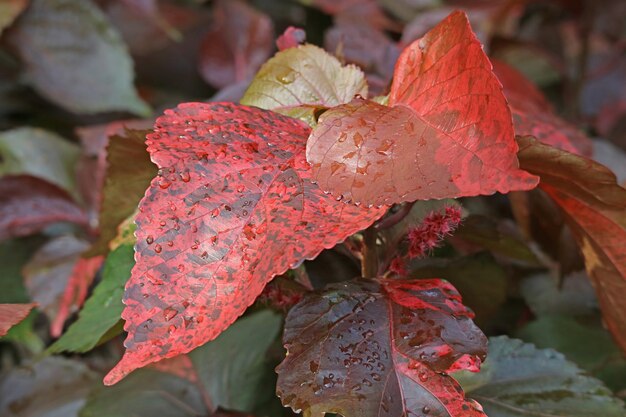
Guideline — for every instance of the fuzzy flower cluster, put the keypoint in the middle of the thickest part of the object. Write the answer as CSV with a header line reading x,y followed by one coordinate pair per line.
x,y
427,236
276,297
436,226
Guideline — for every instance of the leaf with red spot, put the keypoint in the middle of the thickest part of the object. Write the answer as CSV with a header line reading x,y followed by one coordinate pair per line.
x,y
11,314
380,348
533,114
594,207
232,206
447,133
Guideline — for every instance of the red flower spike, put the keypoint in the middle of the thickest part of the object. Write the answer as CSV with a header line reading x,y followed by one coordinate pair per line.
x,y
432,230
232,206
447,133
291,38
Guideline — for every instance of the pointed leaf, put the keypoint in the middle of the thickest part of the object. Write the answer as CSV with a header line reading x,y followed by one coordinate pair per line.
x,y
299,80
519,380
29,204
232,207
594,208
448,132
85,68
378,349
227,373
11,314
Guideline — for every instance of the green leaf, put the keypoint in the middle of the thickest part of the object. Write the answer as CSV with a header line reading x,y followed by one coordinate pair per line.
x,y
480,280
519,380
9,10
299,81
103,309
573,296
39,153
146,393
232,367
129,172
229,372
601,358
85,68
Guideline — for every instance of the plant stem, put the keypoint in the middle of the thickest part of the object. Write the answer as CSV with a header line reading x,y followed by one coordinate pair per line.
x,y
369,263
394,218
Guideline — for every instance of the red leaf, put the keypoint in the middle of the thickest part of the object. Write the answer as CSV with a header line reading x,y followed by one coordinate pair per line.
x,y
29,204
448,132
242,40
533,114
11,314
83,273
291,38
232,207
378,348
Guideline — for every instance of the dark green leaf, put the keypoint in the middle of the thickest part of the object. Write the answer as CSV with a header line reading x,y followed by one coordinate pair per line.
x,y
519,380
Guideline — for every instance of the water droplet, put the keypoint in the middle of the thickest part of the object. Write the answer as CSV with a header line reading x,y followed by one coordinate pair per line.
x,y
169,313
157,248
426,409
149,240
185,176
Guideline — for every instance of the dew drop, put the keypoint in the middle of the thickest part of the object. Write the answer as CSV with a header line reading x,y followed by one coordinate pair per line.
x,y
149,240
169,313
157,248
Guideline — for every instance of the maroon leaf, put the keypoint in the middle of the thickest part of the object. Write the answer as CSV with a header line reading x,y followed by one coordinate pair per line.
x,y
11,314
533,114
594,207
232,207
242,40
448,132
29,204
378,348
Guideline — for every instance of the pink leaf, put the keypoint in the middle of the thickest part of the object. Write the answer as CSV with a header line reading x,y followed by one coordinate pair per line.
x,y
448,132
232,206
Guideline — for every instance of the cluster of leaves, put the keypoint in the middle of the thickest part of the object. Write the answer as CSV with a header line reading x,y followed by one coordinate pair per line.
x,y
202,235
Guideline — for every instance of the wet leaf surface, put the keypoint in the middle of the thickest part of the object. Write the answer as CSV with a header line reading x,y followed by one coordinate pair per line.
x,y
520,380
447,132
84,68
379,349
29,204
232,207
296,81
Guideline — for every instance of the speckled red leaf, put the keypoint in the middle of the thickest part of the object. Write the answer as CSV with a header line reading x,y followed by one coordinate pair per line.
x,y
595,209
29,204
379,348
232,207
533,114
11,314
448,132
